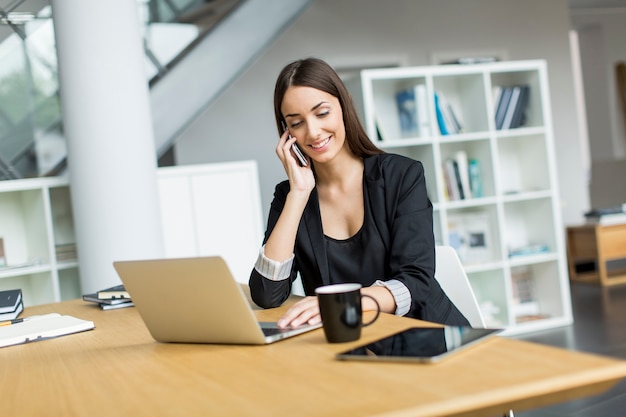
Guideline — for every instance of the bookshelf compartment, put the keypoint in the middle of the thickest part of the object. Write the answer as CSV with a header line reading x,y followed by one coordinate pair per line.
x,y
534,110
490,291
478,157
523,164
23,227
386,113
532,287
466,94
62,217
475,235
529,227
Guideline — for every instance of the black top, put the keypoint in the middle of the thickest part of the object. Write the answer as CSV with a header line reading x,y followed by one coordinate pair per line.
x,y
360,258
398,216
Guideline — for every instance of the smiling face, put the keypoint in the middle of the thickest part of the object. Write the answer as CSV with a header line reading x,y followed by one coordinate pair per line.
x,y
315,118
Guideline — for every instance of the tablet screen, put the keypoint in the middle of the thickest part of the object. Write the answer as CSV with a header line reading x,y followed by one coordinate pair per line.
x,y
420,344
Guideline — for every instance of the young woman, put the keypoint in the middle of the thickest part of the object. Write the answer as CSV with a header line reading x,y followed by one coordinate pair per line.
x,y
352,214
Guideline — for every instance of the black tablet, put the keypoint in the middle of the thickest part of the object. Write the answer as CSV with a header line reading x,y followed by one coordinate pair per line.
x,y
420,344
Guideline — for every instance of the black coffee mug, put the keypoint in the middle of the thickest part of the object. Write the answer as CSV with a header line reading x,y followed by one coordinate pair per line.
x,y
342,315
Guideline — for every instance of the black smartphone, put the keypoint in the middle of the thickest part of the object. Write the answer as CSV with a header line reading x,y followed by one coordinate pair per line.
x,y
296,151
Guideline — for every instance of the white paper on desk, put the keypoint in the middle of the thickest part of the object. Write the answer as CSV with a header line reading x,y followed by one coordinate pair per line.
x,y
42,327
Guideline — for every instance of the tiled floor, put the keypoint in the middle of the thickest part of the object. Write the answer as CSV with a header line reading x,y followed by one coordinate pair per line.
x,y
599,327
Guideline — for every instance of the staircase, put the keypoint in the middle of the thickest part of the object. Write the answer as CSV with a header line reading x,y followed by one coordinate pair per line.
x,y
194,50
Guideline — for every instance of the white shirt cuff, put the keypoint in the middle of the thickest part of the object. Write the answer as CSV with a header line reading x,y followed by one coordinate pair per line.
x,y
401,295
273,270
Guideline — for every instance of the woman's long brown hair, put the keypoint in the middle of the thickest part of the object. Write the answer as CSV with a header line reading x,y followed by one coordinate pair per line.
x,y
316,73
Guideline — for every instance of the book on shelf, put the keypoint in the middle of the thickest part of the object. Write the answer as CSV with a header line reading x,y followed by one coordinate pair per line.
x,y
381,132
443,129
117,291
11,304
412,109
406,104
519,114
66,252
511,105
423,120
449,175
462,177
525,304
451,116
450,170
475,178
501,105
447,117
36,328
510,108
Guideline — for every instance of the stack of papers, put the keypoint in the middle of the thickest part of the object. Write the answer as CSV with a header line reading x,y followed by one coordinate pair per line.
x,y
36,328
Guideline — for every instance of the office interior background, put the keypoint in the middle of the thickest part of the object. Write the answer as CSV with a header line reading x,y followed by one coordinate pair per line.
x,y
355,34
581,41
228,98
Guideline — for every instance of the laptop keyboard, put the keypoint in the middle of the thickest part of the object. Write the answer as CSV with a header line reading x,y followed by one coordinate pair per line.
x,y
272,331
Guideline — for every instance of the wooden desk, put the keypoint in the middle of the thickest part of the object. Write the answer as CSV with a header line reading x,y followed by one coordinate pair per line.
x,y
118,370
596,245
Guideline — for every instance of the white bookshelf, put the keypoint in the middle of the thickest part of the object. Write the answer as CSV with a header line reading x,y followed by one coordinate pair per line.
x,y
35,220
519,205
209,209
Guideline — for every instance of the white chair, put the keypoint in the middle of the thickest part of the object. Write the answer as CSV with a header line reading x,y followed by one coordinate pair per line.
x,y
451,276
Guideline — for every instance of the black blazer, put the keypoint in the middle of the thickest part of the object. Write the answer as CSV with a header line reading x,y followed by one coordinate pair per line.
x,y
403,215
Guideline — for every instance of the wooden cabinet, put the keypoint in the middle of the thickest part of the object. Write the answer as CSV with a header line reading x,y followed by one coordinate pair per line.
x,y
509,232
597,254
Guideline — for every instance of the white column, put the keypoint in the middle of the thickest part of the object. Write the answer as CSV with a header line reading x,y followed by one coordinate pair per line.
x,y
108,127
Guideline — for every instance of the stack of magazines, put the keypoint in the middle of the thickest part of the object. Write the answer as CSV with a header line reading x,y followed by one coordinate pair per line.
x,y
110,298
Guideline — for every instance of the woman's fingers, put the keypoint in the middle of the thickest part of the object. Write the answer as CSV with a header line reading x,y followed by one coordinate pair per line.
x,y
305,311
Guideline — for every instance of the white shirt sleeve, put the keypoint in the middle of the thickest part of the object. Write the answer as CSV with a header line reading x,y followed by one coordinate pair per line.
x,y
273,270
401,295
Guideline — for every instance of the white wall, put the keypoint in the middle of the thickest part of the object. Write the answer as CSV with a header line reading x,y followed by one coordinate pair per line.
x,y
602,33
240,124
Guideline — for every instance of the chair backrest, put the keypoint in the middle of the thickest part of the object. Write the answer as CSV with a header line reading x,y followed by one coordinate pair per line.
x,y
451,276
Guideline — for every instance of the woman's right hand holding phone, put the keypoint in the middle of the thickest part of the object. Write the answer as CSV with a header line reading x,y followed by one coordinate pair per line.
x,y
300,177
280,244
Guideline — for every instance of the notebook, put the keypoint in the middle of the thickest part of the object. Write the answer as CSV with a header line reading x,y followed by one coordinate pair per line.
x,y
36,328
196,300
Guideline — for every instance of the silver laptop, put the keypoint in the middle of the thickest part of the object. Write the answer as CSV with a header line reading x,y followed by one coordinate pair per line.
x,y
196,300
